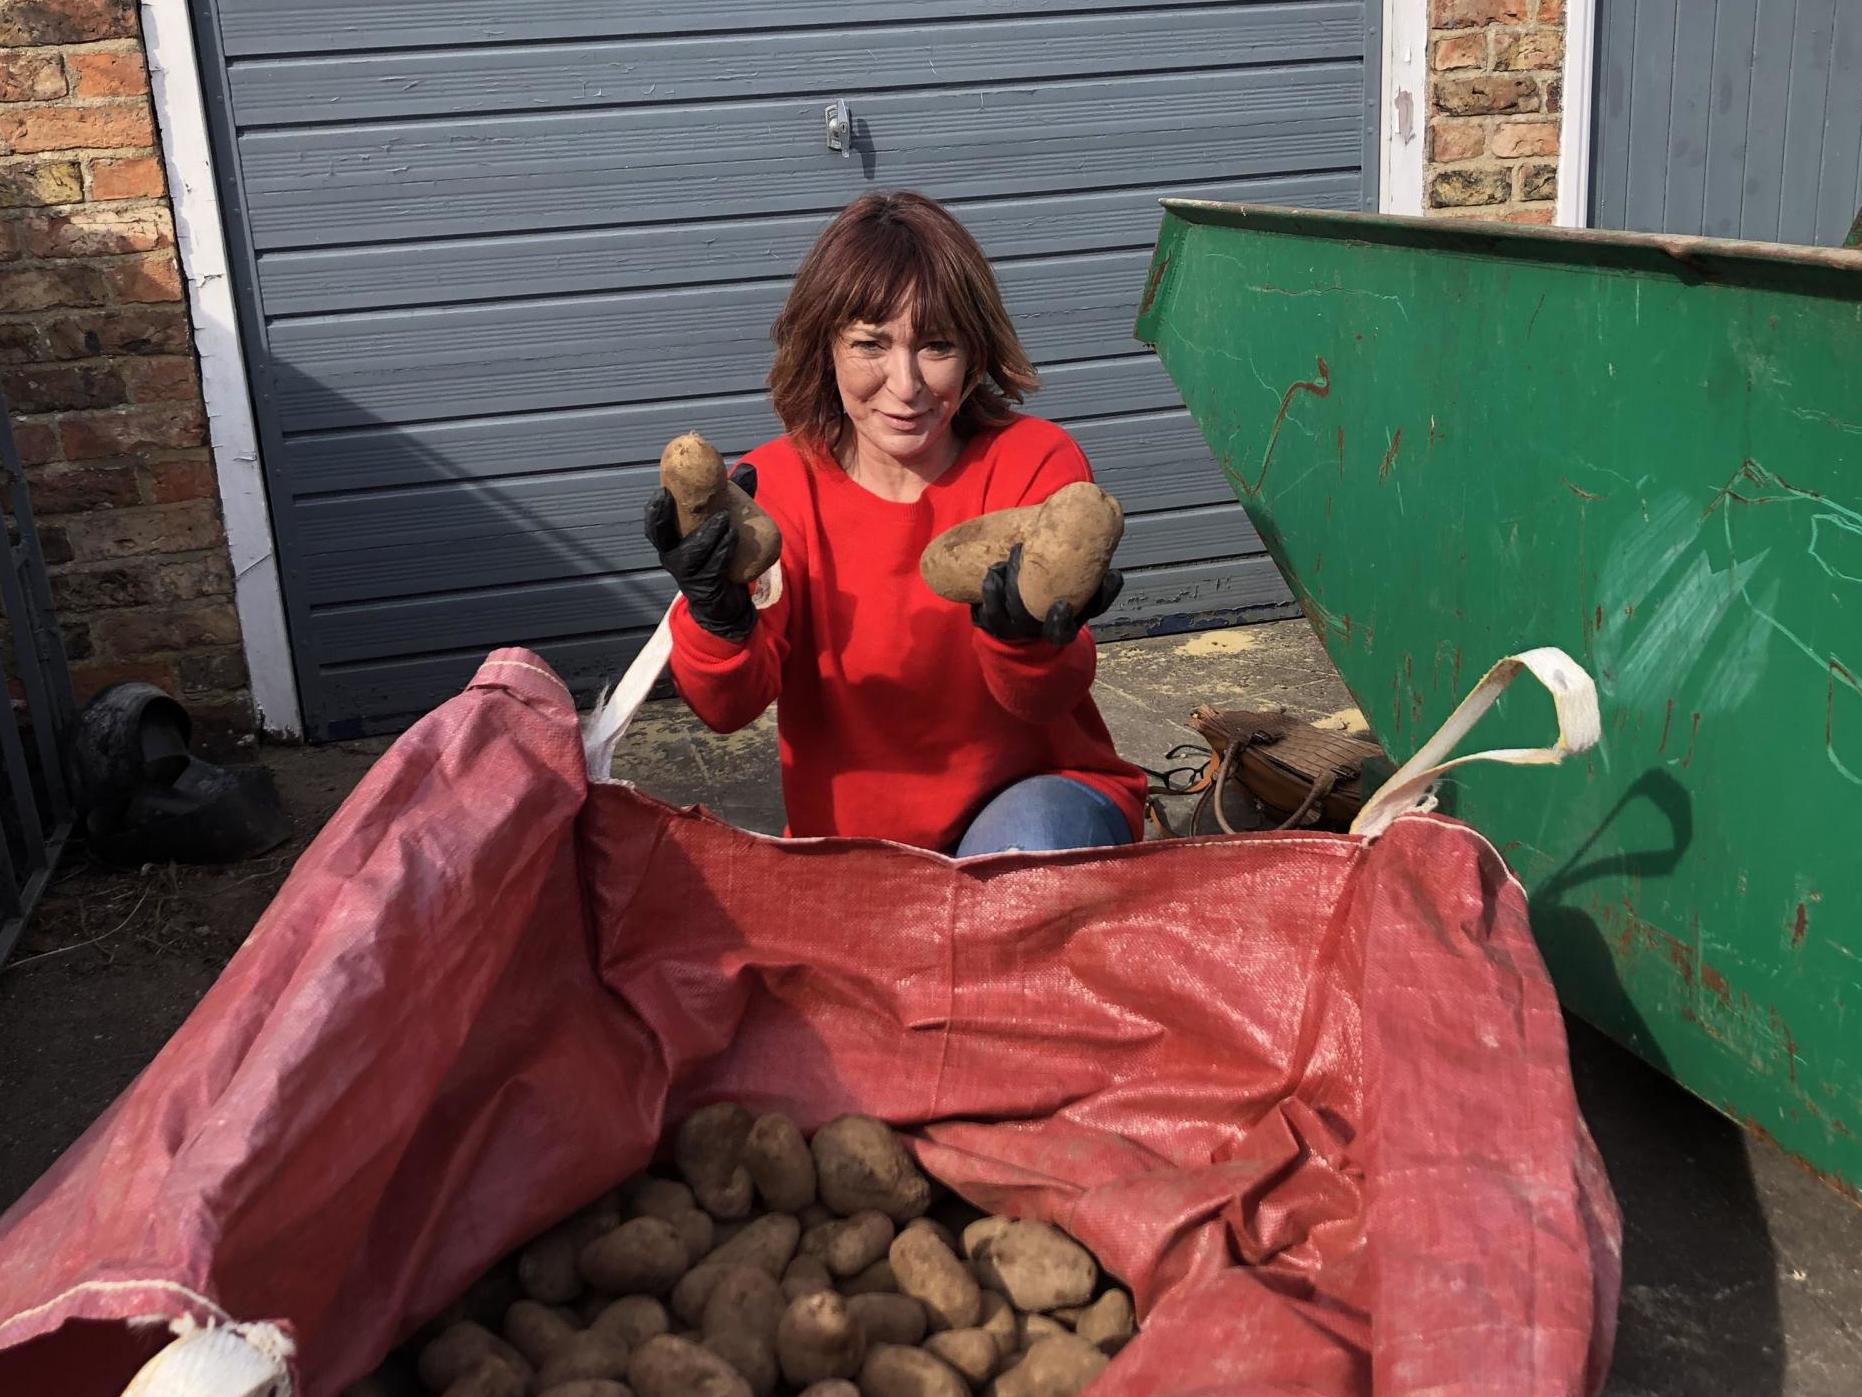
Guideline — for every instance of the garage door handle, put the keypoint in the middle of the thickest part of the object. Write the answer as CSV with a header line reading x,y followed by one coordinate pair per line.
x,y
840,127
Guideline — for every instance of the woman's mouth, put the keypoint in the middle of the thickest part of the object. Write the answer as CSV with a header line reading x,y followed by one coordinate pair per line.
x,y
903,422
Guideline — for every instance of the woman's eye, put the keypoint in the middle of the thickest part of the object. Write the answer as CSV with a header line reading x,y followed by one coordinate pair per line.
x,y
866,346
941,347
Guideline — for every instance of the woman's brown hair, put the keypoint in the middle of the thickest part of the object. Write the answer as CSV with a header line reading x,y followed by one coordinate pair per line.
x,y
879,251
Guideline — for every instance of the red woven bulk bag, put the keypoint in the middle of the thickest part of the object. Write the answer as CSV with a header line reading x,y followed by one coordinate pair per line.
x,y
1307,1095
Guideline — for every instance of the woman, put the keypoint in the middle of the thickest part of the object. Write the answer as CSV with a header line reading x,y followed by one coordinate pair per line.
x,y
901,715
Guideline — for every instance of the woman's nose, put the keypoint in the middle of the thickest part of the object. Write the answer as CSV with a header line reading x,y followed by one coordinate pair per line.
x,y
902,376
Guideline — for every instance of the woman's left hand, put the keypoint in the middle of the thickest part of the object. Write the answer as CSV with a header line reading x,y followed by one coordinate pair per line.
x,y
1001,614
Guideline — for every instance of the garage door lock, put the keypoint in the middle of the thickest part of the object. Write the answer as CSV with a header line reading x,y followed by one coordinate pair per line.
x,y
840,127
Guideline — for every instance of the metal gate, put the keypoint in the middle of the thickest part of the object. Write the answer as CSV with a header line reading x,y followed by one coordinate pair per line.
x,y
1729,118
35,806
490,258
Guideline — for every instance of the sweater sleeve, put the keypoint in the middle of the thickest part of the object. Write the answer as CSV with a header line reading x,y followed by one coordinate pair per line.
x,y
727,684
1031,679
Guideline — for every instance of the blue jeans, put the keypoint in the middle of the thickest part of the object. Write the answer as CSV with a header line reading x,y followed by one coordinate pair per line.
x,y
1044,813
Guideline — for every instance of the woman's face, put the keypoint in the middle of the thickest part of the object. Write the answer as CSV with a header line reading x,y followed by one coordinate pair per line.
x,y
900,390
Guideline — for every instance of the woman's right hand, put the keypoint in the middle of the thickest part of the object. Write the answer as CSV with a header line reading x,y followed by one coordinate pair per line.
x,y
700,562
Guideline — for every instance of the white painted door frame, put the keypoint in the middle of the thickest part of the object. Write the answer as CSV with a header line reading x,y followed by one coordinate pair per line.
x,y
1406,109
1575,155
1405,106
200,236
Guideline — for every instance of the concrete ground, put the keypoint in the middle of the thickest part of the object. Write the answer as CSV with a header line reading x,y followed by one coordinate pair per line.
x,y
1742,1274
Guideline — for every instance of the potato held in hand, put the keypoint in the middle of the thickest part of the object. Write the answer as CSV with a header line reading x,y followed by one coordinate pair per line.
x,y
1067,544
694,474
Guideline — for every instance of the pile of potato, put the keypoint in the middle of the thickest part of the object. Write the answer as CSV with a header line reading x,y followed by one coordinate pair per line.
x,y
780,1264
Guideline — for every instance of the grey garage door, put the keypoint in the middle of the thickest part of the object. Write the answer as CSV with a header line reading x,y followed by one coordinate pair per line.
x,y
495,254
1730,118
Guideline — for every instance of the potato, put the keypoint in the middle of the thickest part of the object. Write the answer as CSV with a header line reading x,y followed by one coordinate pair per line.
x,y
999,1323
938,1230
931,1274
861,1164
746,1300
457,1350
1057,1367
1107,1323
1032,1329
489,1377
852,1245
666,1366
695,1229
603,1215
807,1275
752,1357
780,1165
874,1279
768,1242
709,1152
724,1229
633,1319
1069,546
972,1352
693,472
536,1331
814,1214
819,1337
954,562
648,1196
892,1370
589,1354
588,1387
1037,1266
833,1387
979,1234
889,1319
643,1257
546,1268
694,1289
1067,542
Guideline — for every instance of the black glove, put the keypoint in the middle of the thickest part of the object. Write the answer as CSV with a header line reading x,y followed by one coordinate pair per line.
x,y
699,562
1001,614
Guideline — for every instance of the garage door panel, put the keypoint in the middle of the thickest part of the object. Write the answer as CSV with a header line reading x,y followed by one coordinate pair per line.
x,y
339,371
253,27
482,448
732,67
499,268
389,693
378,182
404,543
564,609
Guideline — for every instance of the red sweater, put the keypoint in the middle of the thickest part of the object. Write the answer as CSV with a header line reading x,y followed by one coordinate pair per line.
x,y
898,718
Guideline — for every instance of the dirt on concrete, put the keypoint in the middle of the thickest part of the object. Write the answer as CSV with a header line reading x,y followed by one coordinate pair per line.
x,y
115,959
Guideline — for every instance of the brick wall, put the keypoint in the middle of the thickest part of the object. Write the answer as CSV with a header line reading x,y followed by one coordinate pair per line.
x,y
96,357
1495,87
